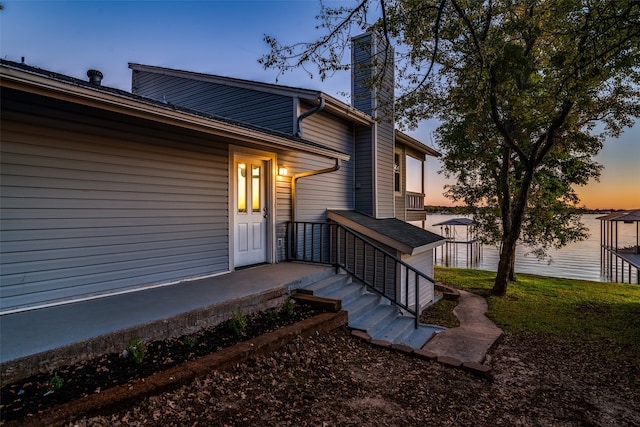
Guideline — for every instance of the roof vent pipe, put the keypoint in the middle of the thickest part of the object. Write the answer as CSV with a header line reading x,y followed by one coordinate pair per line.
x,y
314,110
95,77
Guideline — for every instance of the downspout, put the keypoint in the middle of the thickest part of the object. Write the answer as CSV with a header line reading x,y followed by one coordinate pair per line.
x,y
306,114
297,176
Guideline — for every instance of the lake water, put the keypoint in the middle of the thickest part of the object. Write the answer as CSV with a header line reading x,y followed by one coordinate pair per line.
x,y
580,260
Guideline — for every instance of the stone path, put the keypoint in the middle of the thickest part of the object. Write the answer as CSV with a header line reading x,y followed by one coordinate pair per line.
x,y
476,334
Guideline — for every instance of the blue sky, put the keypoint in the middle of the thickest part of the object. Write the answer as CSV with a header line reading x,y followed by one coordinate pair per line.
x,y
226,38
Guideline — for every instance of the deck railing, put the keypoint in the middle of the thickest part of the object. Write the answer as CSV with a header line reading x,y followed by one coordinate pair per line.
x,y
382,272
415,201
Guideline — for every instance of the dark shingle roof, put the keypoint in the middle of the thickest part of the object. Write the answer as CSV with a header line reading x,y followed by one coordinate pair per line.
x,y
393,232
106,89
630,216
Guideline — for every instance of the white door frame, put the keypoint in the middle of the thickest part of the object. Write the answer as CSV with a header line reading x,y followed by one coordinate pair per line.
x,y
270,196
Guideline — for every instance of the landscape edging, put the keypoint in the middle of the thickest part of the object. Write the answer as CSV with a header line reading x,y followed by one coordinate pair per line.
x,y
121,396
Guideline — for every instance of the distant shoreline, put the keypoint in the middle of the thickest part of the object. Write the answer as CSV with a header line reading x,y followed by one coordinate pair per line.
x,y
463,210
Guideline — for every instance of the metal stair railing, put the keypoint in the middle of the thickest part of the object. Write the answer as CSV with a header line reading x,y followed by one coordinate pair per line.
x,y
334,244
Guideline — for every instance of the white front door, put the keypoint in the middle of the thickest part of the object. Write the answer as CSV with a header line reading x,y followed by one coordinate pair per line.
x,y
251,211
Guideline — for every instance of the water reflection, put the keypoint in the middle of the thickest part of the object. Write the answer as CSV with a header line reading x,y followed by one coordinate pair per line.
x,y
580,260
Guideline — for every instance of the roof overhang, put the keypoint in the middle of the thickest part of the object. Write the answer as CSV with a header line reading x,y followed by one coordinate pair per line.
x,y
135,106
405,139
456,221
389,231
332,105
626,216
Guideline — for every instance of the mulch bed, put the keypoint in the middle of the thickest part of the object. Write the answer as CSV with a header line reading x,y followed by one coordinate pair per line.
x,y
40,392
334,379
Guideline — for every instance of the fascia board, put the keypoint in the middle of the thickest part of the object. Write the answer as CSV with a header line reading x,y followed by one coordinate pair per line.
x,y
345,111
428,247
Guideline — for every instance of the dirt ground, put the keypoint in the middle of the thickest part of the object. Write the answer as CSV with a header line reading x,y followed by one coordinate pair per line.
x,y
336,380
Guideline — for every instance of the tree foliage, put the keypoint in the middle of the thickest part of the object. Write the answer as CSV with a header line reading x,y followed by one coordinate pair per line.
x,y
526,91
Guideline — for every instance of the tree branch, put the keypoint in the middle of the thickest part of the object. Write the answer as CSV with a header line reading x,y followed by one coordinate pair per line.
x,y
472,31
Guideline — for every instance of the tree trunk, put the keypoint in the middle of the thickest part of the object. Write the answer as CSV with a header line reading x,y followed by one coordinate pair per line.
x,y
505,265
512,271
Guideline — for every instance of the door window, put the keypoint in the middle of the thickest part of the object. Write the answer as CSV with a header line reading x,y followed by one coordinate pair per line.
x,y
242,188
255,187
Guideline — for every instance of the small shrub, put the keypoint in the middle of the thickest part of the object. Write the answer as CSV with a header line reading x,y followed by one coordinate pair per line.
x,y
190,340
135,350
238,322
288,307
272,315
54,383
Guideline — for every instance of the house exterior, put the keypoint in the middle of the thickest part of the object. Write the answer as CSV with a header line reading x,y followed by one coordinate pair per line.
x,y
188,176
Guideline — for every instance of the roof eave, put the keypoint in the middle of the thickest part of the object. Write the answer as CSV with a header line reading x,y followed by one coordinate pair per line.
x,y
94,97
366,231
333,105
405,139
389,241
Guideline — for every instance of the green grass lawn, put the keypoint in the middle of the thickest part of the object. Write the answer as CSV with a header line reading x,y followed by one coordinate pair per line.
x,y
565,308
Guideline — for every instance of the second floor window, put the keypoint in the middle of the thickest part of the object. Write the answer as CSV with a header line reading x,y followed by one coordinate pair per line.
x,y
414,174
396,173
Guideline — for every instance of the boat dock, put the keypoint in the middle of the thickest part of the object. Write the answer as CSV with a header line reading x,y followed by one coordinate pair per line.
x,y
617,260
449,251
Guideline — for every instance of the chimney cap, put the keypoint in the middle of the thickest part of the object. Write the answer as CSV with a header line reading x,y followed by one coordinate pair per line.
x,y
95,77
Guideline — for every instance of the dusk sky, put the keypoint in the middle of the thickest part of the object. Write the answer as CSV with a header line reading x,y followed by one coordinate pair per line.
x,y
226,38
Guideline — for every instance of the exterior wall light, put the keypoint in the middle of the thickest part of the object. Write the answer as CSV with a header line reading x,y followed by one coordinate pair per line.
x,y
282,171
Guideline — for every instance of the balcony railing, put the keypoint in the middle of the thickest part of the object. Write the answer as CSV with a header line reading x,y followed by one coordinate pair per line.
x,y
414,201
382,272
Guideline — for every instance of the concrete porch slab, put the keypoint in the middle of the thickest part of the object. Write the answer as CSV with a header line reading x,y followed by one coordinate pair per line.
x,y
37,340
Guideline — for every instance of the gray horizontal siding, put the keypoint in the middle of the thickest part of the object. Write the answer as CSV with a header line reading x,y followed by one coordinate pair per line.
x,y
422,262
384,169
314,194
368,55
267,110
328,131
83,214
361,57
363,165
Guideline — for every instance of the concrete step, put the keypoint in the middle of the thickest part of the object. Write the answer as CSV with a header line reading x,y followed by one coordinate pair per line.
x,y
377,318
395,331
346,293
327,285
361,305
372,313
307,280
419,337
